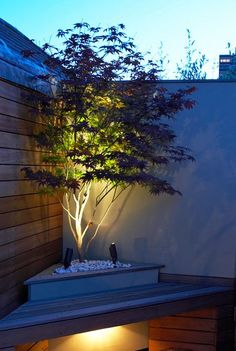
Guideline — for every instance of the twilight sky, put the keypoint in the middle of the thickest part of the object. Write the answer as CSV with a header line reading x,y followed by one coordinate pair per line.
x,y
212,23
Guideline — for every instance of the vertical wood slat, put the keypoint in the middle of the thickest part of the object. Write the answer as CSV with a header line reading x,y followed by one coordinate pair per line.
x,y
201,330
31,225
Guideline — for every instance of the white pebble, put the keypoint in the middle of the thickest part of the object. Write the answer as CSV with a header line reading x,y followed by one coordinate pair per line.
x,y
92,265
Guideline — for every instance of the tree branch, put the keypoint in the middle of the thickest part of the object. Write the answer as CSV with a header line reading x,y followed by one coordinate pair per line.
x,y
114,198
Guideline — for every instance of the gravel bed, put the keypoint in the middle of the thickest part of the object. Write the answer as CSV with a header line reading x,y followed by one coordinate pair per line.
x,y
91,265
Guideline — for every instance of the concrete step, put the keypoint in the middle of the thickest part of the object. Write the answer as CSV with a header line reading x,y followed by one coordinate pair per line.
x,y
47,285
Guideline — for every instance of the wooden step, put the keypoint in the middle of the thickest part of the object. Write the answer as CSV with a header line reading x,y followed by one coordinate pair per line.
x,y
41,320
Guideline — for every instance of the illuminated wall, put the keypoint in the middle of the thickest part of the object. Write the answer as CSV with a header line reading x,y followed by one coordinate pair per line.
x,y
193,233
127,338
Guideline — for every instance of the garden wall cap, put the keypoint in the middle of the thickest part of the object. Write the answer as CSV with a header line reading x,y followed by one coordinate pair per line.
x,y
14,66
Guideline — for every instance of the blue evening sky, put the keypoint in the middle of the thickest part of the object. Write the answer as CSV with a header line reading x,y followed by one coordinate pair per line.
x,y
212,22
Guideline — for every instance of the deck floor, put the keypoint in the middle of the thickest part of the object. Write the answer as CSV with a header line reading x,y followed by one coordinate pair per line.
x,y
54,318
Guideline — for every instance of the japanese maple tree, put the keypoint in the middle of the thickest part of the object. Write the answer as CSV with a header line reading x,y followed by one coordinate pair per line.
x,y
108,124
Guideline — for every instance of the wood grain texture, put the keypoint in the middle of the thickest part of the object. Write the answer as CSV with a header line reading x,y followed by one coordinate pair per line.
x,y
38,253
184,323
27,244
194,279
13,219
17,293
13,234
17,109
20,157
46,319
187,336
221,312
156,345
12,173
26,271
21,202
203,329
16,188
16,93
30,224
18,126
16,141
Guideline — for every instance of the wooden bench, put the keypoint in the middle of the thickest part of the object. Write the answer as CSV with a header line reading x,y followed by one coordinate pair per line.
x,y
35,321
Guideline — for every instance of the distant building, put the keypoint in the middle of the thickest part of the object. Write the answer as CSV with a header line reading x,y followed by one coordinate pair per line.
x,y
227,66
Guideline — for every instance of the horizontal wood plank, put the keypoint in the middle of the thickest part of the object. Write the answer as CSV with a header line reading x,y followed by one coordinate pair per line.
x,y
14,172
18,188
17,141
28,244
101,315
69,305
12,219
17,294
14,297
30,224
11,173
202,327
12,234
221,312
16,93
157,345
188,336
19,276
25,259
22,202
194,323
195,279
18,110
15,188
177,322
48,311
18,126
20,157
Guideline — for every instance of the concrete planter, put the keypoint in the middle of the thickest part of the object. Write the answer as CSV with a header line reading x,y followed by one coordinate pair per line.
x,y
47,285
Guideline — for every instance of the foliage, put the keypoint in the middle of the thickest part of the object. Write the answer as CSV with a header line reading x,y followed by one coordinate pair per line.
x,y
100,128
193,67
162,62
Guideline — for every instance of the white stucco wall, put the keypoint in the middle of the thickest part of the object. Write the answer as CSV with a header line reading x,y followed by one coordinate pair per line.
x,y
194,233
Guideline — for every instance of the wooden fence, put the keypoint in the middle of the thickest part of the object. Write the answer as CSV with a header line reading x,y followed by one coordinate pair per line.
x,y
201,330
30,224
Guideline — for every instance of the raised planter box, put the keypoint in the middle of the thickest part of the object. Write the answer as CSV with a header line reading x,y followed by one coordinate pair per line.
x,y
46,285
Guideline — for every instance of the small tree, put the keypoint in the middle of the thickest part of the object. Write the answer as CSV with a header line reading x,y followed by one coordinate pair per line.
x,y
162,62
102,129
193,67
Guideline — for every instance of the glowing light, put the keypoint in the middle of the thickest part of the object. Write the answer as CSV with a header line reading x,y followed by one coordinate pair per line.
x,y
125,338
101,334
99,340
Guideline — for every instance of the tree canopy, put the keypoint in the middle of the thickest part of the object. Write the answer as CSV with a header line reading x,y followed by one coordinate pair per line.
x,y
109,120
194,64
